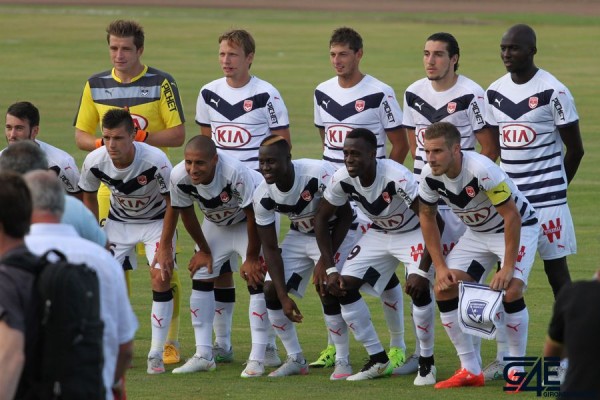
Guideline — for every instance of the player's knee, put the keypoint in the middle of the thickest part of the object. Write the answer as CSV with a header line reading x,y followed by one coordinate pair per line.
x,y
270,292
422,300
513,293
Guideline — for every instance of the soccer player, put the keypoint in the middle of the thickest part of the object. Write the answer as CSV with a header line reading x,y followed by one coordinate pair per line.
x,y
223,188
351,100
386,192
541,147
501,224
535,116
295,188
23,123
238,111
445,95
152,98
137,176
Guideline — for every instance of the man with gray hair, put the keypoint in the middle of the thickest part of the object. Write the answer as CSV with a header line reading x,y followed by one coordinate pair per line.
x,y
47,232
25,156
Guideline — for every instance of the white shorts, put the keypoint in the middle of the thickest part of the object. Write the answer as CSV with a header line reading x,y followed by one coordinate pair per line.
x,y
454,228
478,253
557,234
123,238
375,257
300,253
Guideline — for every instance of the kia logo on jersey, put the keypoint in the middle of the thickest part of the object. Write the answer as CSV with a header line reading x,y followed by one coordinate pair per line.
x,y
517,135
451,107
359,105
336,134
474,217
533,102
248,105
231,136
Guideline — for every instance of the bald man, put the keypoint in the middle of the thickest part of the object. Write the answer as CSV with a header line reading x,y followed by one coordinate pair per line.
x,y
535,117
223,188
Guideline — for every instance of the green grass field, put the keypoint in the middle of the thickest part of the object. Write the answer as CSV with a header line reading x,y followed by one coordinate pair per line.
x,y
48,52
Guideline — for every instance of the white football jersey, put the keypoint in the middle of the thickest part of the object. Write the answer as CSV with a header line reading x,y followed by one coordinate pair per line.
x,y
370,104
531,150
136,192
223,200
301,201
462,105
63,164
386,202
468,195
240,118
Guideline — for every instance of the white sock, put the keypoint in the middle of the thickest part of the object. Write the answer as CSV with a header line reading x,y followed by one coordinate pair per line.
x,y
285,329
424,322
501,342
338,332
329,339
162,312
516,332
358,319
461,341
202,305
222,323
393,310
477,348
259,326
414,329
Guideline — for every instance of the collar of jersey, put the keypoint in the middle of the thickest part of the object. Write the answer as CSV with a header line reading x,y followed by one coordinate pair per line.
x,y
116,78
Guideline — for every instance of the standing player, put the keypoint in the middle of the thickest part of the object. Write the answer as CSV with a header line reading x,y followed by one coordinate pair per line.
x,y
535,117
444,95
223,188
137,176
23,123
352,100
152,98
295,188
385,191
238,111
501,224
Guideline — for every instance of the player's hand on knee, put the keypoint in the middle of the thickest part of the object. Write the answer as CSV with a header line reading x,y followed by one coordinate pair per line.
x,y
335,285
320,277
252,271
502,278
445,280
200,259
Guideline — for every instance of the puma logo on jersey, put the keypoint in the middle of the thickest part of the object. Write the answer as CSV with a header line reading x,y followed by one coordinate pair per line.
x,y
500,191
108,92
419,105
498,101
443,191
215,101
325,103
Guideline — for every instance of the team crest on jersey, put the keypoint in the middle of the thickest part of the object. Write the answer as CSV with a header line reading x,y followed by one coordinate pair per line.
x,y
386,197
144,92
470,191
359,105
142,180
248,105
533,102
224,197
306,196
451,107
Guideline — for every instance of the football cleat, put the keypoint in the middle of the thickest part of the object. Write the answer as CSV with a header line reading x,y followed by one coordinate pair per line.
x,y
397,358
290,367
221,355
342,370
494,371
196,364
171,353
253,369
371,370
461,378
155,366
326,358
425,375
